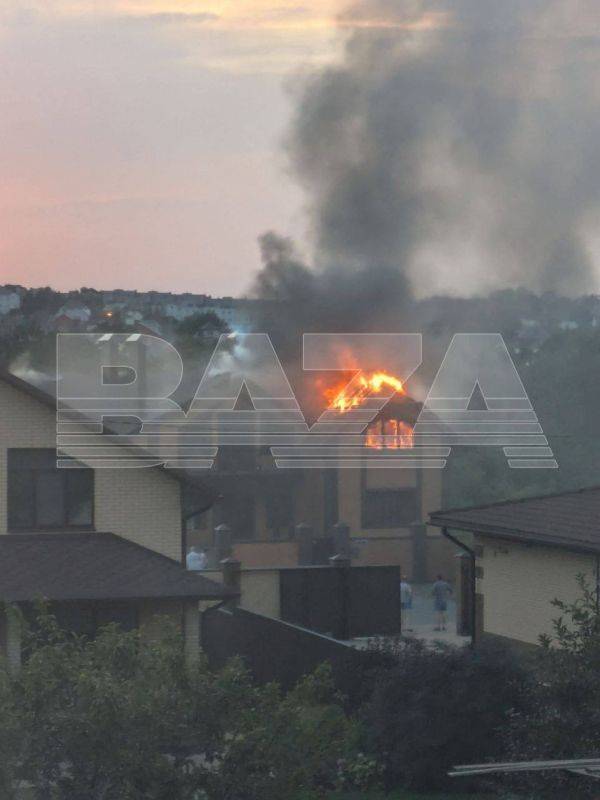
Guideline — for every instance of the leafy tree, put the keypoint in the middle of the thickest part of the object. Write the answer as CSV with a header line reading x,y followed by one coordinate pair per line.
x,y
204,324
124,717
562,715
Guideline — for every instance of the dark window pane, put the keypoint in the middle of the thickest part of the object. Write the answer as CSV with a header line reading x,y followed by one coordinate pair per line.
x,y
50,499
389,508
80,497
31,458
41,495
20,500
279,509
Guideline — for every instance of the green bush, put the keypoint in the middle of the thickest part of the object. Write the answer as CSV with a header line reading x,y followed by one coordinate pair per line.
x,y
125,718
438,707
562,716
284,744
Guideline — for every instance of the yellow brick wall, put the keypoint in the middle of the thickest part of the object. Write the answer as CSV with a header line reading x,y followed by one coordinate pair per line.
x,y
519,584
259,590
139,504
142,505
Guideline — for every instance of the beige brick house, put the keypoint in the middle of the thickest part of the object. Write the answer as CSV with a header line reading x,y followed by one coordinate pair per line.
x,y
527,554
99,544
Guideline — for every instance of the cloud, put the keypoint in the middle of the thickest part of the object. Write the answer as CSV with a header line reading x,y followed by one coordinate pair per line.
x,y
169,18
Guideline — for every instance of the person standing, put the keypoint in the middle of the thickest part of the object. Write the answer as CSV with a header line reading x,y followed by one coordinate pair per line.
x,y
195,560
406,600
441,592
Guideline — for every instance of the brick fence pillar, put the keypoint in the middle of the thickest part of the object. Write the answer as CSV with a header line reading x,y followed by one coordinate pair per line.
x,y
304,537
232,576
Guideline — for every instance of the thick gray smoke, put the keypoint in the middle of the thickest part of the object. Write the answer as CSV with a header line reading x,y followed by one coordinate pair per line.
x,y
455,147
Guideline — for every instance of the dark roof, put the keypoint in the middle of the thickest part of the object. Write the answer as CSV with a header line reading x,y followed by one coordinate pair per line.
x,y
569,520
93,566
401,407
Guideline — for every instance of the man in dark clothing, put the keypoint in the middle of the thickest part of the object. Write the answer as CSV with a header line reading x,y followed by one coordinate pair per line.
x,y
441,592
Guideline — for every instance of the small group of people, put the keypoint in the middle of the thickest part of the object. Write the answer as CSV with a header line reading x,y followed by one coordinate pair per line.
x,y
441,591
196,560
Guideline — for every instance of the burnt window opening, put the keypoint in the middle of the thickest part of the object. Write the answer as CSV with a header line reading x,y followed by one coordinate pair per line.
x,y
43,497
389,508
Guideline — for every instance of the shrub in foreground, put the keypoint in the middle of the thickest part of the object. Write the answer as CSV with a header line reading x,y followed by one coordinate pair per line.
x,y
126,718
437,707
561,719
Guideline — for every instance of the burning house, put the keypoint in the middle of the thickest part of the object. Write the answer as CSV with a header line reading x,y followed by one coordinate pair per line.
x,y
369,502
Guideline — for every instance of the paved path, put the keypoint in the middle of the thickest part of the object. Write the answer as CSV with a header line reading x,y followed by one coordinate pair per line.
x,y
422,619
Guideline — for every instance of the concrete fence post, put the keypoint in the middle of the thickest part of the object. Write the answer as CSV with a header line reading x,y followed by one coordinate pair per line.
x,y
304,537
341,540
232,576
341,564
222,540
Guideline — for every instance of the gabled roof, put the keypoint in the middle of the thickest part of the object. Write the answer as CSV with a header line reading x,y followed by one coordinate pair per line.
x,y
570,520
48,400
93,566
23,386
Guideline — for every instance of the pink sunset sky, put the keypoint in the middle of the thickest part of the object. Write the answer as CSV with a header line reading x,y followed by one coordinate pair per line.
x,y
142,139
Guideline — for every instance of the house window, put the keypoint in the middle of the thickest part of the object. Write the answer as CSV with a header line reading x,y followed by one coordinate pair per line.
x,y
279,511
43,497
237,508
389,508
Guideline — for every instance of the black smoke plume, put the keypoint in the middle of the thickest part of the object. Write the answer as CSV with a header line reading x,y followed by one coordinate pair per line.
x,y
454,148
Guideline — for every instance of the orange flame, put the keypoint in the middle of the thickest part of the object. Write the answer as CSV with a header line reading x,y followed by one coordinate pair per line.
x,y
364,386
392,434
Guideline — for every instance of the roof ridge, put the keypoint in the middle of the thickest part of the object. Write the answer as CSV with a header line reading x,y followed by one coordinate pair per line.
x,y
514,501
50,400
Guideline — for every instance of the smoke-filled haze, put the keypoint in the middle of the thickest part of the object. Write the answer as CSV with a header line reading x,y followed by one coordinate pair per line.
x,y
456,143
